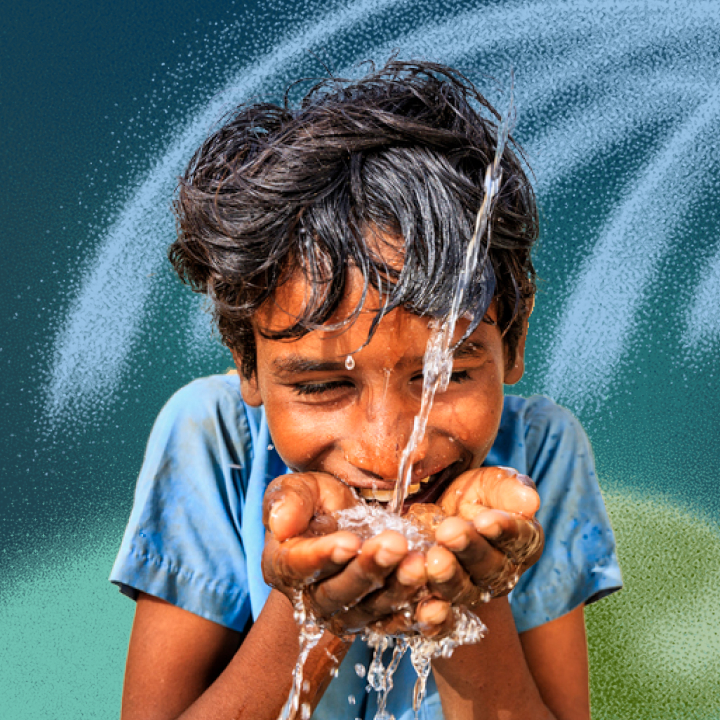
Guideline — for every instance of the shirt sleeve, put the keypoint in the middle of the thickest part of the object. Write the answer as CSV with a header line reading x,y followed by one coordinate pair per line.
x,y
183,541
579,563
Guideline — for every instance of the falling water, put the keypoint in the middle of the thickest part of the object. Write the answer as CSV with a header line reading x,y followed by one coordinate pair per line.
x,y
438,361
311,631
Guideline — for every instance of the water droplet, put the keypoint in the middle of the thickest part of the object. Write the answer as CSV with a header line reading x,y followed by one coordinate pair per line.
x,y
351,699
305,711
360,670
306,686
271,447
349,362
335,671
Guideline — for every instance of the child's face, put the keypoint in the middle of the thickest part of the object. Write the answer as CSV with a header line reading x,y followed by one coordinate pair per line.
x,y
354,423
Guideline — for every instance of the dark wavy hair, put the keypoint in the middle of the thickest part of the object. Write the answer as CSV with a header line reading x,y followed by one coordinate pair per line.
x,y
400,153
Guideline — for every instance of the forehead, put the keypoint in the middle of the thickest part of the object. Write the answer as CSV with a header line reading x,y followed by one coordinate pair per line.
x,y
293,298
400,333
298,293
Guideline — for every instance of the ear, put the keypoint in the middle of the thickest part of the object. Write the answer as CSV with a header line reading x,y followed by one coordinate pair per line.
x,y
516,367
249,388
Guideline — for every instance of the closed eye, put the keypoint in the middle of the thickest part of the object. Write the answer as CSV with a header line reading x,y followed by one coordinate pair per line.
x,y
457,376
321,387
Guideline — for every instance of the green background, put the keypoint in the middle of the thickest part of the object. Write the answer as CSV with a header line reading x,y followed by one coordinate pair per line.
x,y
619,111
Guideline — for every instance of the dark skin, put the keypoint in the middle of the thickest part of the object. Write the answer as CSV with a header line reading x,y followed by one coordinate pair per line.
x,y
378,576
340,429
315,406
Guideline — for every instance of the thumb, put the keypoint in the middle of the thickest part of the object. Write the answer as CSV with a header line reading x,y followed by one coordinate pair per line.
x,y
503,488
289,505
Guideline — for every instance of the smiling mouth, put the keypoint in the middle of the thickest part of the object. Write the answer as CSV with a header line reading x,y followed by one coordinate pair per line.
x,y
428,490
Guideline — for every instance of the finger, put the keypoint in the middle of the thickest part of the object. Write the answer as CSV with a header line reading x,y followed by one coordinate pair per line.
x,y
298,561
377,559
481,561
448,580
289,505
293,503
521,539
434,617
400,589
391,608
495,487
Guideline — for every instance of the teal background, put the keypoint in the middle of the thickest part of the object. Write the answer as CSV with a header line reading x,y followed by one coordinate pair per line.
x,y
619,110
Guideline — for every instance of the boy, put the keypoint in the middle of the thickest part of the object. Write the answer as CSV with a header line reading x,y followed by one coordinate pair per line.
x,y
329,238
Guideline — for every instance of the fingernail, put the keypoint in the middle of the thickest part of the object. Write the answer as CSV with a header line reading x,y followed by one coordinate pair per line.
x,y
275,510
453,540
407,578
487,526
440,573
433,613
342,554
527,480
385,557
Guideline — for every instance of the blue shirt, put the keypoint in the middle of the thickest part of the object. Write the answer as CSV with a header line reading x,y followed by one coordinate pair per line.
x,y
195,534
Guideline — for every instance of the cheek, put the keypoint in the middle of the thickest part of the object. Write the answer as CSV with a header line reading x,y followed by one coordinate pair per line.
x,y
299,440
475,421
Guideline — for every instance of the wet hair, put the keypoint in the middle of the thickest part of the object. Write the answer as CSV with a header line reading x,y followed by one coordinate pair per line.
x,y
394,161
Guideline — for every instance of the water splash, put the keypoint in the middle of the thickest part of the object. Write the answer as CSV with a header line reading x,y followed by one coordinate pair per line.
x,y
594,332
366,521
311,632
590,77
467,628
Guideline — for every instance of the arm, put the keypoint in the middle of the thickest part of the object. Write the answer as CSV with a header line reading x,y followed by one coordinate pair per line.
x,y
183,666
557,656
541,674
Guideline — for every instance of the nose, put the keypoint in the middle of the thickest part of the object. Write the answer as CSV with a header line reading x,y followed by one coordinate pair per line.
x,y
377,441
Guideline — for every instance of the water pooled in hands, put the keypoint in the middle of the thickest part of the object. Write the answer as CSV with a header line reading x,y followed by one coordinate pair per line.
x,y
467,628
370,519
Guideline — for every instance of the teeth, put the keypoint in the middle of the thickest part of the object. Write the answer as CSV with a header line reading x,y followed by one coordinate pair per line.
x,y
379,495
387,495
425,479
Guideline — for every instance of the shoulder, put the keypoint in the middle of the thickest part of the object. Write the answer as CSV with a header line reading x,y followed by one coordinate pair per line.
x,y
203,396
538,413
187,536
207,408
204,429
535,430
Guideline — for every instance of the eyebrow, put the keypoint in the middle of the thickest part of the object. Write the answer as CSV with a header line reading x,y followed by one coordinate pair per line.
x,y
297,364
293,364
470,348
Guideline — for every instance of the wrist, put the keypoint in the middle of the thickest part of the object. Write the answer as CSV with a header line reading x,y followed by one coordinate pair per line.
x,y
320,664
